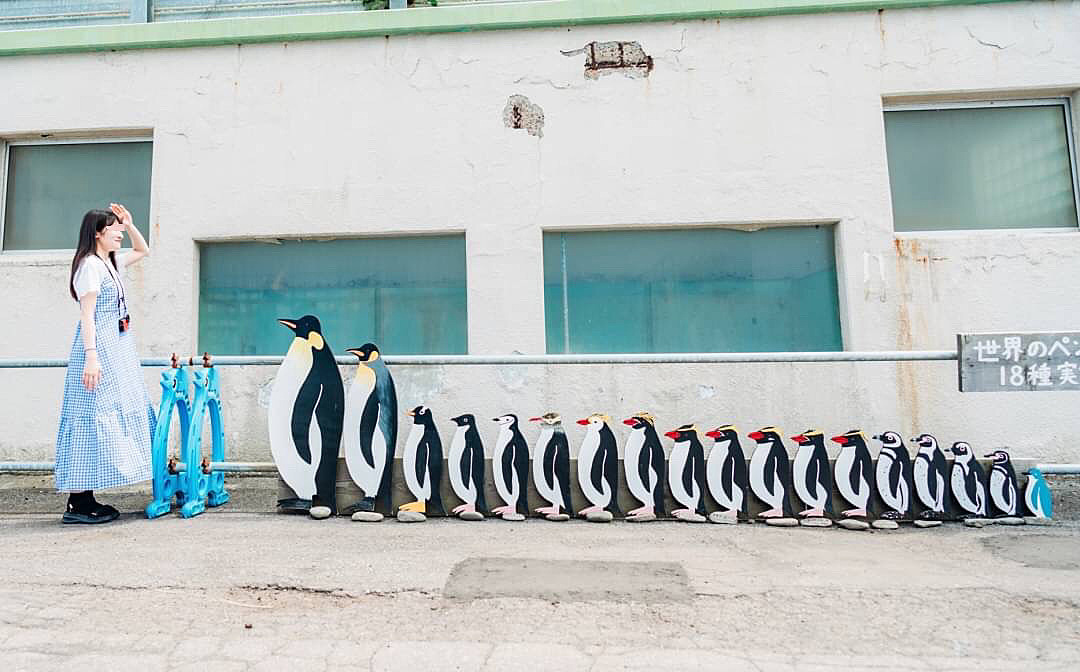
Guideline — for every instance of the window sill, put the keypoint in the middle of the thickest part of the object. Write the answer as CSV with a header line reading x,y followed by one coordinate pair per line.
x,y
993,233
37,258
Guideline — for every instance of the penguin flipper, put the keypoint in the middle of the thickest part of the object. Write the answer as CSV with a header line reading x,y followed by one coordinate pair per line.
x,y
698,458
435,460
611,475
659,467
562,469
476,473
303,410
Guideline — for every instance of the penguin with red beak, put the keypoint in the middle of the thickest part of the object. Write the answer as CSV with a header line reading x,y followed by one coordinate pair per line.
x,y
726,476
686,474
812,476
598,469
770,473
645,464
854,472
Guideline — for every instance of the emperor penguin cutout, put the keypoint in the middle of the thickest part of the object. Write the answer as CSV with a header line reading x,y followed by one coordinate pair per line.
x,y
422,464
466,466
726,475
893,477
510,467
551,468
305,416
646,467
686,474
598,469
967,480
371,431
931,482
812,478
1004,493
770,474
1037,498
854,476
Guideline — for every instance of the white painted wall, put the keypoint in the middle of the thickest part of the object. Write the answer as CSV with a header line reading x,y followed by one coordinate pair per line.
x,y
768,120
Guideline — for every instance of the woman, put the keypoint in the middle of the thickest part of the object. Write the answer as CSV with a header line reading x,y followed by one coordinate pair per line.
x,y
107,422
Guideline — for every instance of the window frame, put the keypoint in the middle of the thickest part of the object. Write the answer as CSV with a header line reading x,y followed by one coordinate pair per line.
x,y
1070,143
59,139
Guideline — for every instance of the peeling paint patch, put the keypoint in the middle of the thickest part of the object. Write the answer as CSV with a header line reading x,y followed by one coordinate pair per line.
x,y
706,391
520,112
602,58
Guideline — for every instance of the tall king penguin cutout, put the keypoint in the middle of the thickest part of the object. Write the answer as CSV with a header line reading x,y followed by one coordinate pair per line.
x,y
646,467
422,464
306,407
371,431
598,469
551,468
466,466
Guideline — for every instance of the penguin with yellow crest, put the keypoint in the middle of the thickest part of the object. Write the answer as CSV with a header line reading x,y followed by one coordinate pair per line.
x,y
598,469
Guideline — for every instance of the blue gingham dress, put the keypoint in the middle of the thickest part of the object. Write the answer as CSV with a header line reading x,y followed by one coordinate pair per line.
x,y
105,435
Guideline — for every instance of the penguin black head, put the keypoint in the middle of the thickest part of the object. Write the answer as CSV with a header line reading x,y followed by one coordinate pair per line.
x,y
766,434
506,420
852,437
999,457
640,420
465,420
809,437
595,421
723,433
553,419
925,441
421,415
304,328
683,433
367,352
961,449
889,439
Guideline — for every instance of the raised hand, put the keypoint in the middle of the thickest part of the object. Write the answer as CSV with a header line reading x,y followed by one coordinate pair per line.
x,y
122,214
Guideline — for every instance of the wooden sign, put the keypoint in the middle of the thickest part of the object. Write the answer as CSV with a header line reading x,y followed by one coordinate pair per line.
x,y
1019,361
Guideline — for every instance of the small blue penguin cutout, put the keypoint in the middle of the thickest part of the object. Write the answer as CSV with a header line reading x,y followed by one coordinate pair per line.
x,y
1037,497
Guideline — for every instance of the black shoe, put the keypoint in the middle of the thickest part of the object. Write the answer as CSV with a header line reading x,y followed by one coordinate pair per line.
x,y
99,514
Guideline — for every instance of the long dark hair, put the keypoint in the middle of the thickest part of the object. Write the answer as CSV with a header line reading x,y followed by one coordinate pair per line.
x,y
92,222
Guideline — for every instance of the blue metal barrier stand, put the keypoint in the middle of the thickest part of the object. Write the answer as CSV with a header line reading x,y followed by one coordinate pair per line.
x,y
174,396
195,480
216,495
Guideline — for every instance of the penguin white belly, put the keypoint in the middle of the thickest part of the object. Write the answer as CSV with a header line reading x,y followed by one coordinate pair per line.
x,y
845,462
589,446
959,488
421,491
679,456
801,466
540,460
367,476
714,477
893,500
297,474
1032,497
758,461
1000,491
465,492
631,455
506,490
921,473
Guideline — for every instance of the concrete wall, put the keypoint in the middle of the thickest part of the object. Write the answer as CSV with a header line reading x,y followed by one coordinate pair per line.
x,y
764,121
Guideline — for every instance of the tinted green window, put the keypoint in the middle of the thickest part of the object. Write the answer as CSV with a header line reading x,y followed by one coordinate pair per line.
x,y
405,294
694,290
980,168
50,187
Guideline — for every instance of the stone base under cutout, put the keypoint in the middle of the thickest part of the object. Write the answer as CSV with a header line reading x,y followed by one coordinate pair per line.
x,y
641,518
885,524
557,517
977,522
691,517
815,521
367,516
781,522
410,517
853,524
1032,520
471,515
513,517
721,518
927,523
319,512
1009,520
599,517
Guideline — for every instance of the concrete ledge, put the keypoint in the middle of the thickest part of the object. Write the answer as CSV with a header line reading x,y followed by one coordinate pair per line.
x,y
458,18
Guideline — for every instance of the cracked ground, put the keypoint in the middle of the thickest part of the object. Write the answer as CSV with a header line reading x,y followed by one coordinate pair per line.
x,y
250,591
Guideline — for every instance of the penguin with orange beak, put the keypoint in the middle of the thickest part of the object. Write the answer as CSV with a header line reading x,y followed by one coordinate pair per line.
x,y
854,472
686,474
371,424
598,469
307,405
770,473
812,476
726,475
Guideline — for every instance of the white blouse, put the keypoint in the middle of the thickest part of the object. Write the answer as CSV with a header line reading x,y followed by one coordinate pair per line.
x,y
93,270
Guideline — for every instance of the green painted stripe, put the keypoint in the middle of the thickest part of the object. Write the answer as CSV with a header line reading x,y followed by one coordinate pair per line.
x,y
456,18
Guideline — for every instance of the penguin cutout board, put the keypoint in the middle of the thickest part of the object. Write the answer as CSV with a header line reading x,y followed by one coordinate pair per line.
x,y
510,469
307,405
770,473
422,461
466,467
686,474
726,475
892,475
931,479
551,468
598,469
812,474
1004,493
646,467
370,434
967,482
1037,498
854,473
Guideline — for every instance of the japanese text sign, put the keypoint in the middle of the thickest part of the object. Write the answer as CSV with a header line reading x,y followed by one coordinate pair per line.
x,y
1019,361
